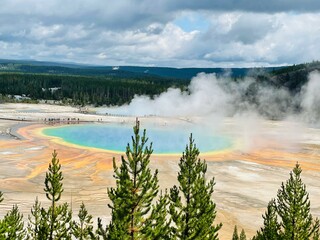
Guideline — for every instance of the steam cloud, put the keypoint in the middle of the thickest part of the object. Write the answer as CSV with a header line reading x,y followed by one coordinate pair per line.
x,y
310,102
205,96
209,95
248,101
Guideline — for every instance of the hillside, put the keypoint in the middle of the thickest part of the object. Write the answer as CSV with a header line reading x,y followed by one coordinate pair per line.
x,y
117,71
295,76
82,84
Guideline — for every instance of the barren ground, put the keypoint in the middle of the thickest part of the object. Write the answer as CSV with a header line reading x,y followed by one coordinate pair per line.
x,y
247,176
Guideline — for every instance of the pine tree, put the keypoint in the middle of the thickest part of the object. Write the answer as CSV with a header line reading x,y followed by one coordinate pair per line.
x,y
56,221
235,235
102,231
157,225
34,221
193,216
14,225
243,235
84,229
271,227
136,187
289,217
293,208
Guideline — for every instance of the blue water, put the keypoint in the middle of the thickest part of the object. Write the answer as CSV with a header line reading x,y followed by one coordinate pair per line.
x,y
115,137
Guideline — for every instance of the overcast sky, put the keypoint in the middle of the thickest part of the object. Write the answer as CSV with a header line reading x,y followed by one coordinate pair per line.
x,y
176,33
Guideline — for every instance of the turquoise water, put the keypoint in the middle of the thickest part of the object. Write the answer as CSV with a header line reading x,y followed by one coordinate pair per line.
x,y
115,137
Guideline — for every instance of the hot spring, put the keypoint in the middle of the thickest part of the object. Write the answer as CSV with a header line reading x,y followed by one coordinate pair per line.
x,y
115,137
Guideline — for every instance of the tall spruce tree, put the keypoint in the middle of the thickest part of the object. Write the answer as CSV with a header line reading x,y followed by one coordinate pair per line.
x,y
271,227
136,187
194,215
289,216
56,221
293,208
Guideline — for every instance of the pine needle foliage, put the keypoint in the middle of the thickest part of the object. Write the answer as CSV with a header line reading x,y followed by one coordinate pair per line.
x,y
53,181
243,235
136,187
235,235
102,231
158,227
14,225
83,229
289,217
271,227
192,208
293,208
56,221
34,222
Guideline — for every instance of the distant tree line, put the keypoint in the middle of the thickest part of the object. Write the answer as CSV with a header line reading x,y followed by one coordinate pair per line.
x,y
141,211
83,90
295,76
119,87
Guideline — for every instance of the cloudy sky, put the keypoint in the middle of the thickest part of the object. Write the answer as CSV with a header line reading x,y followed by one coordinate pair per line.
x,y
176,33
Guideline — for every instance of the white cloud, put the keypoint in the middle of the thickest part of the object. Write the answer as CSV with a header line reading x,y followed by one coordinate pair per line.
x,y
140,33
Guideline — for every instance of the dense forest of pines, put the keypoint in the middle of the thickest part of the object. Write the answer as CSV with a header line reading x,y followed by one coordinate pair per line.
x,y
119,87
98,87
82,90
140,211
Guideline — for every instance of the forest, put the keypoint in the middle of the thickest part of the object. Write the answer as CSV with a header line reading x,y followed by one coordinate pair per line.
x,y
81,90
139,210
103,86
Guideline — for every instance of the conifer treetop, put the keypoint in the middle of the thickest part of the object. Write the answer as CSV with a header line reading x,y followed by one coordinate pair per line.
x,y
53,180
136,187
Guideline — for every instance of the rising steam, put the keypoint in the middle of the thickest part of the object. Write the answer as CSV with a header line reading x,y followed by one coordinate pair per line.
x,y
310,100
247,101
209,95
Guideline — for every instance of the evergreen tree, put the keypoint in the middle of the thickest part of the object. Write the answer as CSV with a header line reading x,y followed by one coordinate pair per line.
x,y
235,235
56,221
102,231
289,217
34,221
243,235
14,225
136,187
293,207
157,225
193,216
84,229
271,227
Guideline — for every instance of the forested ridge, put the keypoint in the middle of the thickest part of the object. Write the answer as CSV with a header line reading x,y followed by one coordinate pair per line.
x,y
104,86
295,76
82,90
124,71
139,210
